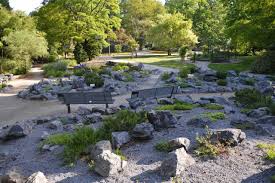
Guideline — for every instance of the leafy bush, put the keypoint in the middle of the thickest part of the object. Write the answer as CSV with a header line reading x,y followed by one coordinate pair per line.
x,y
79,53
272,178
79,72
207,148
222,82
265,64
269,150
129,77
193,69
124,120
14,66
250,82
221,75
163,146
214,116
56,69
93,78
184,72
213,106
75,144
251,98
118,48
69,62
182,52
120,67
165,76
177,106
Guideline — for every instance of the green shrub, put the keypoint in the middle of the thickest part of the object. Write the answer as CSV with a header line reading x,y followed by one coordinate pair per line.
x,y
272,178
163,146
222,82
184,72
79,53
93,78
165,76
104,71
120,154
124,120
129,77
75,143
251,98
15,66
177,106
206,147
269,150
193,69
79,72
69,62
245,111
56,69
264,64
213,106
221,75
121,67
118,48
214,116
250,82
182,52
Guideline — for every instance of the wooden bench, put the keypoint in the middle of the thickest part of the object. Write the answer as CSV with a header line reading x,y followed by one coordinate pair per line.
x,y
85,98
154,93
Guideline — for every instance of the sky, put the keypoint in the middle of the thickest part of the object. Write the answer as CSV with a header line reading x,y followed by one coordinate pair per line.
x,y
30,5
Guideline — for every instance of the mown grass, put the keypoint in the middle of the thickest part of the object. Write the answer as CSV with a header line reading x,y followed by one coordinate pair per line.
x,y
243,65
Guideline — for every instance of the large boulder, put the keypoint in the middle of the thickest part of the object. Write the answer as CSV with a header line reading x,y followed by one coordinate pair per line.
x,y
180,142
55,125
210,76
143,131
165,101
162,119
265,87
176,162
93,118
199,122
99,147
16,131
135,103
120,138
229,136
37,177
260,112
108,164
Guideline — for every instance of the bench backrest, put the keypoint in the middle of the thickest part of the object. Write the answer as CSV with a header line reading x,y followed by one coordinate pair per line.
x,y
154,92
86,98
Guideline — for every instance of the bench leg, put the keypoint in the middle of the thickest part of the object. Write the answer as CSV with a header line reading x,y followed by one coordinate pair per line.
x,y
69,108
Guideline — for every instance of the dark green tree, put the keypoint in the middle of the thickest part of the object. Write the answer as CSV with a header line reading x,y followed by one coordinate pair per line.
x,y
79,53
5,3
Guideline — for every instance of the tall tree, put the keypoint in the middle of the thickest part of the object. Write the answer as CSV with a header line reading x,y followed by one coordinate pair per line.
x,y
67,22
138,16
171,32
5,4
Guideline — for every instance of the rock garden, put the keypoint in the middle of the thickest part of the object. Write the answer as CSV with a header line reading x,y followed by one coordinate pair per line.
x,y
177,139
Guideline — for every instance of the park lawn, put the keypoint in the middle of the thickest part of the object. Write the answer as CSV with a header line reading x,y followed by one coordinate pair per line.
x,y
173,61
243,65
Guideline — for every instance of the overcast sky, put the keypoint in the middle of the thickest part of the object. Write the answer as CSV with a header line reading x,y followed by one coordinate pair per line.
x,y
29,5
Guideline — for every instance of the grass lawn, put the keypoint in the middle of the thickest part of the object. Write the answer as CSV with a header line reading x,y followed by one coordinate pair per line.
x,y
243,65
159,60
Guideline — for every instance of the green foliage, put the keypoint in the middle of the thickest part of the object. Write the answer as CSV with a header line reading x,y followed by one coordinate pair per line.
x,y
93,47
245,110
243,65
272,178
221,75
264,64
172,31
75,144
177,106
184,72
183,51
129,77
163,146
214,117
222,82
118,48
94,78
2,86
251,99
121,67
250,82
5,4
55,69
272,108
79,53
165,76
213,106
269,150
120,154
206,147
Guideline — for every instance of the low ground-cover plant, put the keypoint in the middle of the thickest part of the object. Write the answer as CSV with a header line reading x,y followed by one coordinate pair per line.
x,y
184,72
214,117
221,75
222,82
269,150
213,106
128,76
206,147
163,146
165,76
252,99
93,78
177,106
76,143
55,69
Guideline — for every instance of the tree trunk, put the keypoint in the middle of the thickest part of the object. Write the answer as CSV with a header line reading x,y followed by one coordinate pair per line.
x,y
169,52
